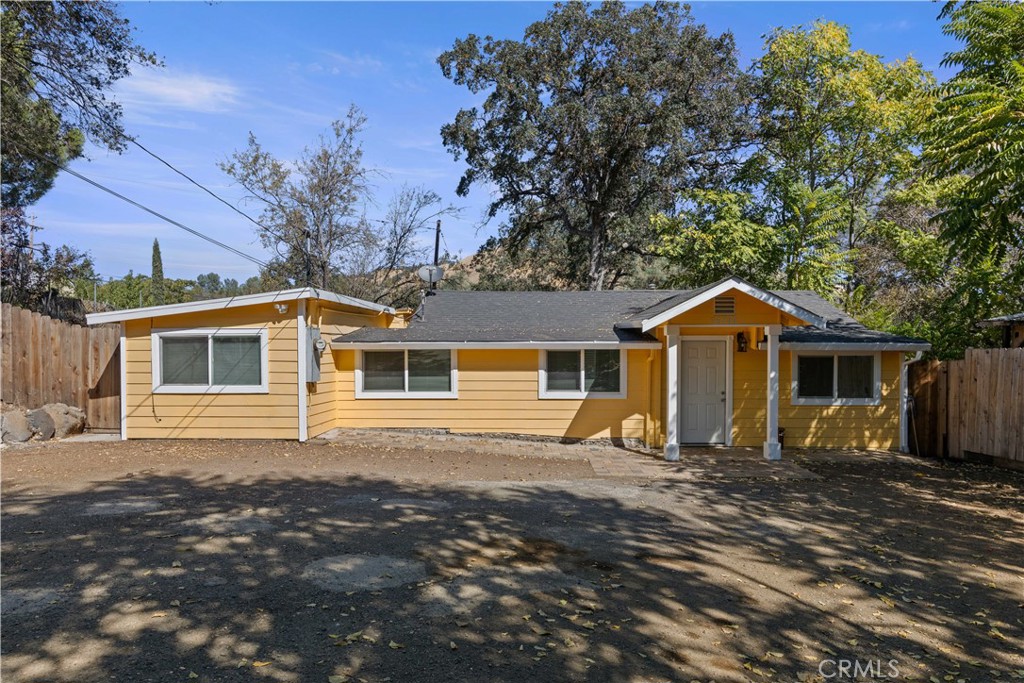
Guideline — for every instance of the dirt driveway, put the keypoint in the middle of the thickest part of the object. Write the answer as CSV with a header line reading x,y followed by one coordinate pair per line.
x,y
249,561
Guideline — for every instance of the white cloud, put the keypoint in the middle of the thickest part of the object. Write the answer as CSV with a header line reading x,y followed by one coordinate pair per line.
x,y
350,65
157,90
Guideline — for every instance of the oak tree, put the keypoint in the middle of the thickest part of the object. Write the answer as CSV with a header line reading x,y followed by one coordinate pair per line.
x,y
594,121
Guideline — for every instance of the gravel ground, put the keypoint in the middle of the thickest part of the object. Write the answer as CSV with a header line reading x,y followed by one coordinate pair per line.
x,y
242,561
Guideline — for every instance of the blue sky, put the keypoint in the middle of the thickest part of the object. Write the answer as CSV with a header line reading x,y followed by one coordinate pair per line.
x,y
285,70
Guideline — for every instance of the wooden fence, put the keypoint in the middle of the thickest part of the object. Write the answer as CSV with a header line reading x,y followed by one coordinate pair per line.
x,y
970,409
43,360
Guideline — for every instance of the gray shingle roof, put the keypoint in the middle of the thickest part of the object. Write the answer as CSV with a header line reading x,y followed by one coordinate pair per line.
x,y
520,317
843,334
516,317
1003,320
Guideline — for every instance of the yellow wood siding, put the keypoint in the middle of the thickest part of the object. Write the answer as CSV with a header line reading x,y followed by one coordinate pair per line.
x,y
806,426
323,396
273,415
498,392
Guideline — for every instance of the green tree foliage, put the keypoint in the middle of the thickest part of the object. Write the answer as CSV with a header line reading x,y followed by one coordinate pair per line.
x,y
912,281
157,282
134,290
58,62
33,273
977,130
837,131
714,236
592,122
29,124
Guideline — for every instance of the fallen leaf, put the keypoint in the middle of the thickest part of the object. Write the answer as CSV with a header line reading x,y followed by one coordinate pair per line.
x,y
262,663
452,645
395,646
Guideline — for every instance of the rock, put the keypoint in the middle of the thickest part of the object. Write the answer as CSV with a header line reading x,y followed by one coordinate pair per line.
x,y
67,420
15,427
41,423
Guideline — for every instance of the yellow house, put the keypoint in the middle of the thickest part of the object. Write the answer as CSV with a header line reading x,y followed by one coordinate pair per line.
x,y
728,364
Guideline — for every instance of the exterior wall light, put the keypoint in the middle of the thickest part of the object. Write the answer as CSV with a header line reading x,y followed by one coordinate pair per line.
x,y
741,342
281,308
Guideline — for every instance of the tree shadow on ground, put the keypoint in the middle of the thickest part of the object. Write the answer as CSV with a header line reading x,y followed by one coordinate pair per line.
x,y
182,577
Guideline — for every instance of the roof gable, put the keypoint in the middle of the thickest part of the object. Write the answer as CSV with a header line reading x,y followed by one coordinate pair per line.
x,y
666,310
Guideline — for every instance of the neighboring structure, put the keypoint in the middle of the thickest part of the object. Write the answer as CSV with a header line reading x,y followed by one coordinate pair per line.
x,y
724,364
1012,326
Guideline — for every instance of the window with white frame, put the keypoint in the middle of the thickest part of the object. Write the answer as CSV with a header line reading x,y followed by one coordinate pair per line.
x,y
209,361
407,373
583,373
836,379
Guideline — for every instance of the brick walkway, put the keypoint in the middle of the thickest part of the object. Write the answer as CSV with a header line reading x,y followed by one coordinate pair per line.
x,y
606,459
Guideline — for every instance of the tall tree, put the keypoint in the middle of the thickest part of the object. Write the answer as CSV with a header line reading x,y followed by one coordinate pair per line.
x,y
838,129
593,121
156,284
58,62
977,130
312,209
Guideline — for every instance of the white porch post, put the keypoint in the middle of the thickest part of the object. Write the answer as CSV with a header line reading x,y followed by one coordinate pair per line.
x,y
772,448
672,398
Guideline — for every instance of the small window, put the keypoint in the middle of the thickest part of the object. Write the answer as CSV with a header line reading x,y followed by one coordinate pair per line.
x,y
415,373
836,379
209,361
590,373
725,305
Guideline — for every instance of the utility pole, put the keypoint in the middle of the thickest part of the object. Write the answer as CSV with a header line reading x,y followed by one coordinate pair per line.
x,y
437,250
309,266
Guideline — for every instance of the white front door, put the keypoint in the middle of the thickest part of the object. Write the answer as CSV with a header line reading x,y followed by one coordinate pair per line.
x,y
703,392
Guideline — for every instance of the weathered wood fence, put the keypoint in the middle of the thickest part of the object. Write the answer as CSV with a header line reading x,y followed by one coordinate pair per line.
x,y
43,360
970,409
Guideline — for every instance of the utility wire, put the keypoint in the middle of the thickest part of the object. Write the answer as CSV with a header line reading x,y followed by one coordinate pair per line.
x,y
159,215
117,131
210,192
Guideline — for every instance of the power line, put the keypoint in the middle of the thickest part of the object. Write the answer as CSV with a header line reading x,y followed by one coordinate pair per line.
x,y
159,215
120,133
208,190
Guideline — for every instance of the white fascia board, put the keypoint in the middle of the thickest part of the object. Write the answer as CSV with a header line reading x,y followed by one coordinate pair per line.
x,y
398,346
756,292
232,302
854,346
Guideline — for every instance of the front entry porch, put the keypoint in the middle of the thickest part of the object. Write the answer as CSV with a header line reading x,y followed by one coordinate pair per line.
x,y
700,384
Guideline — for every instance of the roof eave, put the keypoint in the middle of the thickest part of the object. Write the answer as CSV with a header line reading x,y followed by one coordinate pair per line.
x,y
232,302
854,346
339,343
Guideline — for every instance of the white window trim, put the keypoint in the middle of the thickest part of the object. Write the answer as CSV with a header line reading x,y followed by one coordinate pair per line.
x,y
542,378
406,394
796,400
155,353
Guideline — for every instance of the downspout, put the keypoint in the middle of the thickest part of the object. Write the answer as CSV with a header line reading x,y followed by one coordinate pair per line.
x,y
904,398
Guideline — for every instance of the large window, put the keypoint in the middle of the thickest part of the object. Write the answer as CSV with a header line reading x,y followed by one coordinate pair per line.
x,y
836,379
209,361
593,373
413,373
